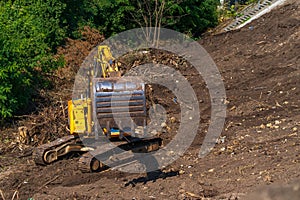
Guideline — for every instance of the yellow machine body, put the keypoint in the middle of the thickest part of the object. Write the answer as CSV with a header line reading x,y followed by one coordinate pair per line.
x,y
117,105
80,116
80,111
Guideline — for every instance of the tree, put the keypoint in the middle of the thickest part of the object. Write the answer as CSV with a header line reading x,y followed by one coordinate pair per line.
x,y
187,16
28,33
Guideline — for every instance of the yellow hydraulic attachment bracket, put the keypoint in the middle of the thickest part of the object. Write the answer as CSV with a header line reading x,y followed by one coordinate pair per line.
x,y
80,116
106,61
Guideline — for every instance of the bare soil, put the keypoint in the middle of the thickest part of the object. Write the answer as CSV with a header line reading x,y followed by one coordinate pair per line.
x,y
261,71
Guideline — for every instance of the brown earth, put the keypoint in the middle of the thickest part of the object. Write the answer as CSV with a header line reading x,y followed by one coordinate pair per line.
x,y
261,71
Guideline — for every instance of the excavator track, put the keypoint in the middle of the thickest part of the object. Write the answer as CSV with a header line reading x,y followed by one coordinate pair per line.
x,y
40,151
116,155
88,163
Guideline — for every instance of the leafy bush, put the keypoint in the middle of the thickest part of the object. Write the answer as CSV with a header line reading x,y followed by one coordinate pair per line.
x,y
28,33
194,16
188,16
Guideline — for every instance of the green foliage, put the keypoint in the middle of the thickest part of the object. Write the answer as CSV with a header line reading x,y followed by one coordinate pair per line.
x,y
115,16
233,9
78,13
193,16
188,16
248,2
28,32
231,12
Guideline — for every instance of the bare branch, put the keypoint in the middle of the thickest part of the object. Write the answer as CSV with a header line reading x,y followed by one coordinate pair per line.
x,y
141,25
160,20
152,13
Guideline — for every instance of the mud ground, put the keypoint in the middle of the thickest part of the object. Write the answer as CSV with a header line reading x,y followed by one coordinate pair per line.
x,y
260,65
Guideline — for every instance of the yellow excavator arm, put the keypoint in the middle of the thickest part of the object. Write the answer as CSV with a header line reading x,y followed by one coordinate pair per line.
x,y
107,62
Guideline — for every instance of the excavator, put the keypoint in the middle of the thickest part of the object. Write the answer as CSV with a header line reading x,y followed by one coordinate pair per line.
x,y
96,129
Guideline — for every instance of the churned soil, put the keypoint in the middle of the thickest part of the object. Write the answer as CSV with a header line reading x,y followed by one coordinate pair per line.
x,y
259,146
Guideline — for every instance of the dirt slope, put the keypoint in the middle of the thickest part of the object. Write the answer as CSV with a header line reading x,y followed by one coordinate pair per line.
x,y
261,70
